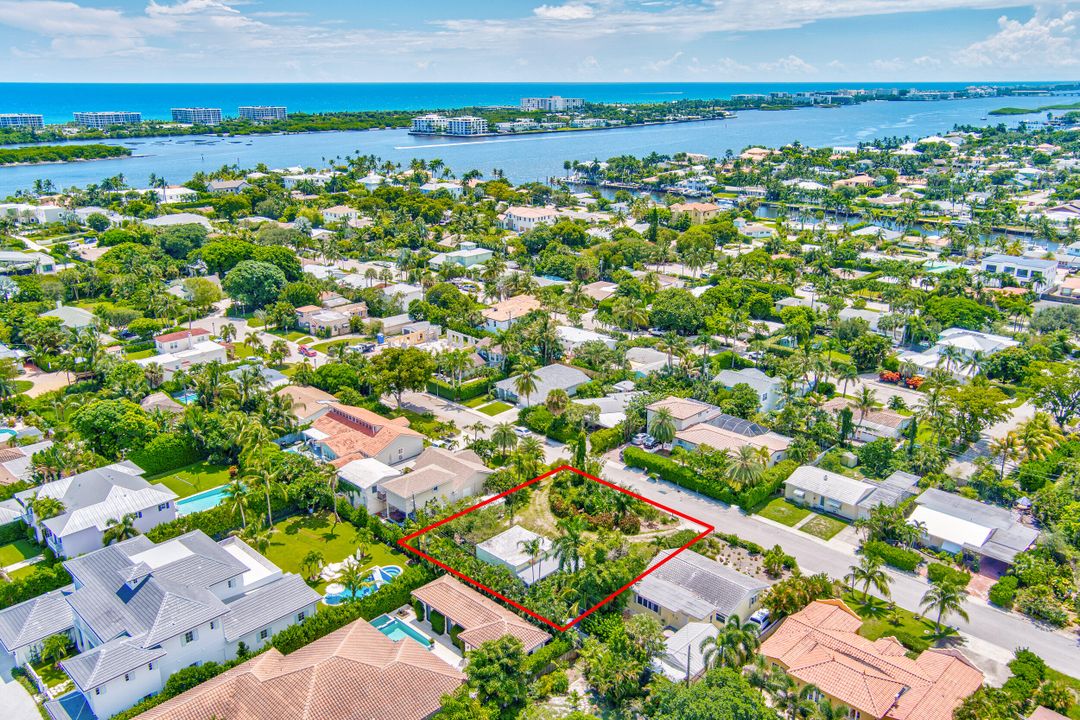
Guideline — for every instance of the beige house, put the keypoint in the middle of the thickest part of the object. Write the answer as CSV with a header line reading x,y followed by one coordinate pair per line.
x,y
698,212
502,315
438,475
308,403
345,433
691,588
843,496
685,411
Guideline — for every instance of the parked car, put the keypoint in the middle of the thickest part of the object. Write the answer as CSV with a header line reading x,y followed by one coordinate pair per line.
x,y
639,439
761,619
651,442
306,351
522,432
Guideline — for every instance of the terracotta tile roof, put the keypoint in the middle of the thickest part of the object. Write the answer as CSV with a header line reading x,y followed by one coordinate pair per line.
x,y
514,307
354,432
355,673
482,618
306,400
820,645
682,408
170,337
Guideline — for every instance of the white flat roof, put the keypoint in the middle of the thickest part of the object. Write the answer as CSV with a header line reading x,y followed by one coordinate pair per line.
x,y
949,528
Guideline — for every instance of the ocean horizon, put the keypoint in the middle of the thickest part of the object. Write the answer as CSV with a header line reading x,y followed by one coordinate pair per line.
x,y
56,102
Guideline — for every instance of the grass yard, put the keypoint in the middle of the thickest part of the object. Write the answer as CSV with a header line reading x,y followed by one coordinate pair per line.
x,y
823,527
1070,682
17,552
914,632
22,386
140,354
783,512
295,537
325,346
23,572
193,478
495,407
291,335
50,674
475,402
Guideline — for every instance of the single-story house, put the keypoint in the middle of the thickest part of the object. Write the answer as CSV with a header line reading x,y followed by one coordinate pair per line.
x,y
689,587
958,524
473,618
645,360
843,496
359,481
683,659
548,378
508,549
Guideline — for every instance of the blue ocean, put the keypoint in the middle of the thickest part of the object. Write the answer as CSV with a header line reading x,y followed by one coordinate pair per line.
x,y
57,101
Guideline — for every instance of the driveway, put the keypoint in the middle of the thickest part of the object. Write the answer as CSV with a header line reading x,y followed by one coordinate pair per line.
x,y
16,702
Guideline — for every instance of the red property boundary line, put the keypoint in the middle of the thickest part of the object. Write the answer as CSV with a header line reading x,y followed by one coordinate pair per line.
x,y
404,542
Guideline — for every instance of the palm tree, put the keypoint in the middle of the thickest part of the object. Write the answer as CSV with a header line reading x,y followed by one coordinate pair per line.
x,y
526,381
865,401
257,536
733,646
557,401
237,495
946,598
662,426
744,467
353,579
567,547
313,563
119,530
46,507
263,473
534,548
1007,448
870,572
504,437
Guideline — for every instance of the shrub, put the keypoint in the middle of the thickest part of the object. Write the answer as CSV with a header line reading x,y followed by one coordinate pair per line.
x,y
467,391
607,439
544,659
438,622
939,573
45,578
1039,603
454,632
418,608
13,531
899,558
167,451
1003,592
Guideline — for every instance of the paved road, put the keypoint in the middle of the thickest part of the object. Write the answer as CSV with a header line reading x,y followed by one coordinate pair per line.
x,y
991,633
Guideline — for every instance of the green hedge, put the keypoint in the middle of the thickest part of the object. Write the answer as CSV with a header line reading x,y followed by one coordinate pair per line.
x,y
17,530
544,659
386,599
939,573
458,643
899,558
168,451
607,439
438,621
45,578
1003,592
672,471
540,420
467,391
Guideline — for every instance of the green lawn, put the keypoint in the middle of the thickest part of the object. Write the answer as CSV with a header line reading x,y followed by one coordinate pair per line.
x,y
325,346
495,407
50,674
140,354
17,552
914,632
291,335
823,526
783,512
23,572
22,386
193,478
295,537
475,402
1070,682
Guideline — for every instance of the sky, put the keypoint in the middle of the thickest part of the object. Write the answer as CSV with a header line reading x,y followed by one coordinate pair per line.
x,y
537,40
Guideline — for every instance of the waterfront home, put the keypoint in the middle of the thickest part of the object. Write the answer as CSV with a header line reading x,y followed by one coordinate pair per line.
x,y
137,612
509,549
522,219
548,378
473,618
820,645
966,345
690,587
846,497
955,524
500,316
438,475
698,212
90,501
345,433
354,672
1040,274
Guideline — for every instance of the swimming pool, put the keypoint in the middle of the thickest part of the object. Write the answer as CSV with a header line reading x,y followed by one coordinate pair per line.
x,y
378,577
187,397
397,630
7,434
205,500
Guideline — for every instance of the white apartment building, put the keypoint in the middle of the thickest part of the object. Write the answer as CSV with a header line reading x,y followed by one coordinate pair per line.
x,y
197,115
21,120
262,113
105,119
520,219
553,103
435,124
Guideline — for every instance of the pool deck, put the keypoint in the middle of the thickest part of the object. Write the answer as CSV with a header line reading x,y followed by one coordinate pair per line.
x,y
442,648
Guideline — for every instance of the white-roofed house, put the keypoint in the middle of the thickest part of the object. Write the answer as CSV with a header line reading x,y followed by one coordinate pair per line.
x,y
843,496
437,475
360,483
509,549
957,524
690,587
91,499
969,344
572,337
768,389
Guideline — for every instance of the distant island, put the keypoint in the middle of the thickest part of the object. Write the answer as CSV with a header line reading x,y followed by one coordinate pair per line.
x,y
1034,111
43,154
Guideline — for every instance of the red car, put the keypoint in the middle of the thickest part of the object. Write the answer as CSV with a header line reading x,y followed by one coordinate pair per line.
x,y
306,351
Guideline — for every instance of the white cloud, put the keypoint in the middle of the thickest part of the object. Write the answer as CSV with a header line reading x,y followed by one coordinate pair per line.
x,y
570,11
790,65
1047,40
659,65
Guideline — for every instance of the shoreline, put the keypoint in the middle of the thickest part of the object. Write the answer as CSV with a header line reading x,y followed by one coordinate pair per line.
x,y
69,162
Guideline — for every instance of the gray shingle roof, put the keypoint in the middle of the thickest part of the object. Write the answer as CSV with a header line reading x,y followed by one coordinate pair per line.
x,y
34,620
110,660
966,509
260,607
548,378
830,485
696,585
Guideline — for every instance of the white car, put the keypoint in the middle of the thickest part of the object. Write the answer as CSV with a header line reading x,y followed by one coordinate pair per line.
x,y
522,432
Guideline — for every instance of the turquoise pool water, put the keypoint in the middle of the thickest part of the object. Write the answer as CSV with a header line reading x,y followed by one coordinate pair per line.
x,y
378,577
187,397
205,500
6,434
397,630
